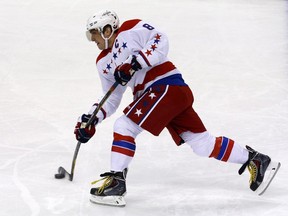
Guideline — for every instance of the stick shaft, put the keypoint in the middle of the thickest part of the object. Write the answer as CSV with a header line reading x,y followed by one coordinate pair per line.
x,y
93,116
101,103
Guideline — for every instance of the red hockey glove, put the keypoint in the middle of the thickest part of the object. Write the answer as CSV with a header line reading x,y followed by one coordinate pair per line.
x,y
83,134
124,72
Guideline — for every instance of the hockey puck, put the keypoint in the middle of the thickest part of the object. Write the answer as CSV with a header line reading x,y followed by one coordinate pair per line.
x,y
59,175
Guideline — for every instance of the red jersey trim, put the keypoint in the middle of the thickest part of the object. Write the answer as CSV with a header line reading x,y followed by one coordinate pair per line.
x,y
102,110
129,24
145,59
154,73
103,54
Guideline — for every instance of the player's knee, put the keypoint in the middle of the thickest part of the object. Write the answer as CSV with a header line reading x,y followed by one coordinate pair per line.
x,y
201,143
125,126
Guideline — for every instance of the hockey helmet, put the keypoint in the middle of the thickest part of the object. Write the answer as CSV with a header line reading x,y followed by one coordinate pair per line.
x,y
99,20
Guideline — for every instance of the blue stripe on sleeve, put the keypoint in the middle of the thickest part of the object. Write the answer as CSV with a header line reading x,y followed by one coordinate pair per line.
x,y
223,148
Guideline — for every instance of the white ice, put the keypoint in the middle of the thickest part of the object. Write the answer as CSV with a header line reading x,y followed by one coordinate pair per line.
x,y
233,54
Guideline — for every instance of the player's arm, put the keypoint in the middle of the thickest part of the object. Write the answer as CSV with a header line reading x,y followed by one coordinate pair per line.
x,y
150,49
113,102
154,46
83,133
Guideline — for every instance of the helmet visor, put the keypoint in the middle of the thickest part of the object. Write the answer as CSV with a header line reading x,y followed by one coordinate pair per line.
x,y
89,35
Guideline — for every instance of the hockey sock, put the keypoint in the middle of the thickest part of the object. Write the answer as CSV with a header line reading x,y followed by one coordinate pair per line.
x,y
123,150
227,150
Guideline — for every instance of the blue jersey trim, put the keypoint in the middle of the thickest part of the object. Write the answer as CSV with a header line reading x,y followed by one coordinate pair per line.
x,y
175,79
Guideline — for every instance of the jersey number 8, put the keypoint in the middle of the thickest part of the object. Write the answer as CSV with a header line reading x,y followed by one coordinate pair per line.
x,y
149,27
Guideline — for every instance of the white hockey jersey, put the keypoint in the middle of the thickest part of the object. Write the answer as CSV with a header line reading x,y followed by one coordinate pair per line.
x,y
134,37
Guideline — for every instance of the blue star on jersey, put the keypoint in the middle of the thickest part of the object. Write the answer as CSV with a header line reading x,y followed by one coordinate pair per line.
x,y
124,45
107,69
115,55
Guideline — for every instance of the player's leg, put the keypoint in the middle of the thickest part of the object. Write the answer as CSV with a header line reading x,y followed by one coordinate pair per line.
x,y
152,112
123,146
226,150
113,189
220,148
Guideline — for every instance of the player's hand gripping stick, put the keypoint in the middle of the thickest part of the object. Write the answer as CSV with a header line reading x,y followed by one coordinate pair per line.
x,y
63,172
124,72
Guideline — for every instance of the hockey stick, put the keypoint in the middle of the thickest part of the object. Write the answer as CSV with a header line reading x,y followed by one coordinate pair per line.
x,y
61,171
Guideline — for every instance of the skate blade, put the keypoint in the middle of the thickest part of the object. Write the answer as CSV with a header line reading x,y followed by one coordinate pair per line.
x,y
108,200
271,171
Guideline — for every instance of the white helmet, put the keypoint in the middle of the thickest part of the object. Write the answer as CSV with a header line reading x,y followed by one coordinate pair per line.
x,y
99,20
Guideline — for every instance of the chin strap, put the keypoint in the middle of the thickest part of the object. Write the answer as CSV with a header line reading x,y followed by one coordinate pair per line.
x,y
106,39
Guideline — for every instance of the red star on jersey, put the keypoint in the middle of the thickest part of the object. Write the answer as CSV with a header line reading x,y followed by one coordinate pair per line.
x,y
158,37
148,52
153,47
105,71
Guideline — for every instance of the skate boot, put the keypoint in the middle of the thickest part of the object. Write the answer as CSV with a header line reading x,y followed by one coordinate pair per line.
x,y
258,165
112,191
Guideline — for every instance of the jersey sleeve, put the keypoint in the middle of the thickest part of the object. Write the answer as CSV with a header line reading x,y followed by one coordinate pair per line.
x,y
107,80
113,102
154,45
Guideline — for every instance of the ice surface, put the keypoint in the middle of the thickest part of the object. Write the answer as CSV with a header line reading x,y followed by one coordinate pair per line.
x,y
233,54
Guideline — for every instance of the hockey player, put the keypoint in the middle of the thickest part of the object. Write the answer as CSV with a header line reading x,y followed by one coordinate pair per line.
x,y
135,55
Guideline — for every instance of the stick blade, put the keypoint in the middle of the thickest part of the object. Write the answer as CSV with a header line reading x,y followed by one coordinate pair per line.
x,y
62,173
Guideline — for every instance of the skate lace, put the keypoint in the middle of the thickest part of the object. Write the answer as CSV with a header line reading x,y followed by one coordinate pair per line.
x,y
107,181
252,168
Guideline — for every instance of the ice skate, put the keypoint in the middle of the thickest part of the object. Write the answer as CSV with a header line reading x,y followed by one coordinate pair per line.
x,y
262,170
112,191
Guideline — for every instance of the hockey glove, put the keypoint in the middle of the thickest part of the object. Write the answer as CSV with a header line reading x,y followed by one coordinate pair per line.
x,y
83,134
124,72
